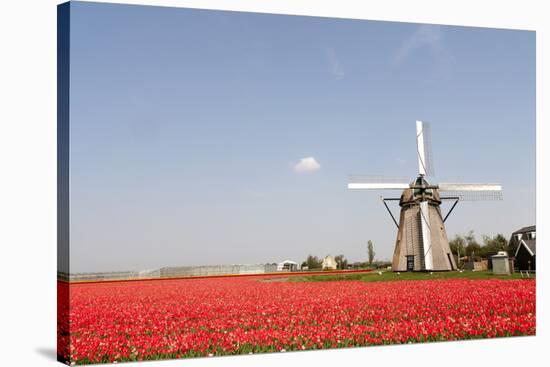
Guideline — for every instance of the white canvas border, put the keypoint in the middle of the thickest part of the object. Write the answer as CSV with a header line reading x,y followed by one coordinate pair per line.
x,y
28,179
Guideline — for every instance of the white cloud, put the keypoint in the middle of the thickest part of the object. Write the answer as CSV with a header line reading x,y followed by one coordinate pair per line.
x,y
335,67
426,36
308,164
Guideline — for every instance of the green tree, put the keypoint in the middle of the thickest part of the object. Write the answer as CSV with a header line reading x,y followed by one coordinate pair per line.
x,y
313,262
458,248
370,250
341,261
492,245
458,245
467,245
473,248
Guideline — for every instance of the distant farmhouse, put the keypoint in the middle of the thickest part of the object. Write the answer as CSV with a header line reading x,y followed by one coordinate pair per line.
x,y
526,241
329,263
288,265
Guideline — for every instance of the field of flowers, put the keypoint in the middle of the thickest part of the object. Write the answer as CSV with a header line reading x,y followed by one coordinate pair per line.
x,y
122,321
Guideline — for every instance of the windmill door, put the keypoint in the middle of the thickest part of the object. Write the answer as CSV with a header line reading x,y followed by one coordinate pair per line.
x,y
410,262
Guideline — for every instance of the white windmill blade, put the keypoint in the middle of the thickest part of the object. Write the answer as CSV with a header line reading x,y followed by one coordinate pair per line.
x,y
377,183
424,148
469,187
426,235
377,186
472,191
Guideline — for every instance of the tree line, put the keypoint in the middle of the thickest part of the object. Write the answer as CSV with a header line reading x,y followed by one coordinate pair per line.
x,y
461,246
313,262
467,245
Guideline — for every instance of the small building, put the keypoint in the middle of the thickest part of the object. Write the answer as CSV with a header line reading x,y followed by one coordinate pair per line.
x,y
287,265
525,233
501,265
526,254
472,265
329,263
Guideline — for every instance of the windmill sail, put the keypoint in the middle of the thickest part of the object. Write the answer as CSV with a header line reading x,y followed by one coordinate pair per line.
x,y
377,183
424,149
472,191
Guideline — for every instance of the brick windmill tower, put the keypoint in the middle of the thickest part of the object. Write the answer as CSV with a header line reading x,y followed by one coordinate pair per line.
x,y
422,243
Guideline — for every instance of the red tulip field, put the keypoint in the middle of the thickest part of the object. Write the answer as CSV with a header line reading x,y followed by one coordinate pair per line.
x,y
143,320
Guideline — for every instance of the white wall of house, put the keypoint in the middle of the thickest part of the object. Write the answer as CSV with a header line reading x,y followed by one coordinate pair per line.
x,y
329,263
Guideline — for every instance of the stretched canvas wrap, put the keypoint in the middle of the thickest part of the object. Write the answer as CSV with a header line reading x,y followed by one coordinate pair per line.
x,y
241,183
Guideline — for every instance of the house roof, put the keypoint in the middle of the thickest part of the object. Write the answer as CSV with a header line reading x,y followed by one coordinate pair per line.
x,y
530,245
526,230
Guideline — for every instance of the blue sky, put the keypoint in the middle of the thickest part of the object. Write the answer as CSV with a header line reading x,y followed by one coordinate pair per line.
x,y
187,125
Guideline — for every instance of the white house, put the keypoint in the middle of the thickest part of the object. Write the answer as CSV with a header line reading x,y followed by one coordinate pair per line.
x,y
329,263
287,265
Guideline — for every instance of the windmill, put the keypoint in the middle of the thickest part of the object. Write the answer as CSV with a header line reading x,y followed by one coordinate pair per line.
x,y
422,243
